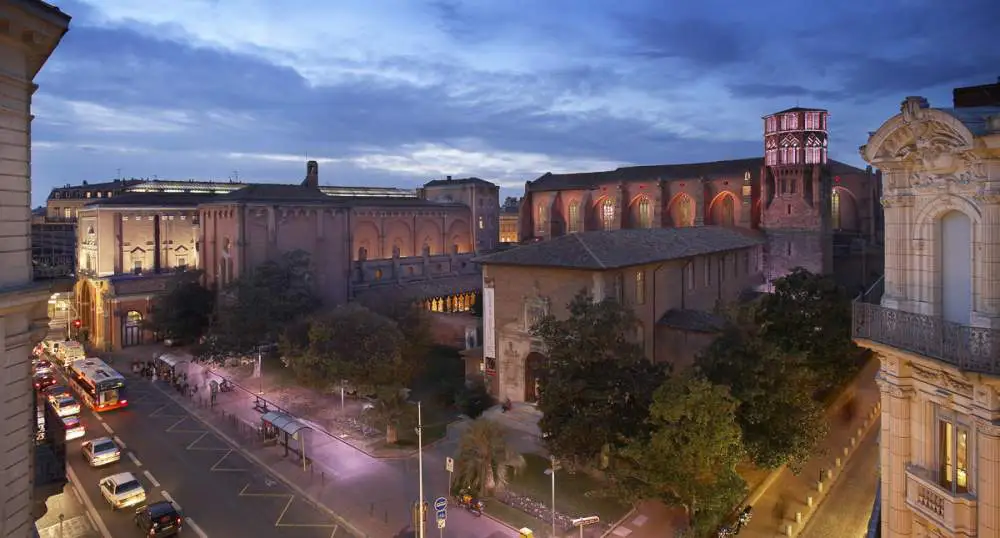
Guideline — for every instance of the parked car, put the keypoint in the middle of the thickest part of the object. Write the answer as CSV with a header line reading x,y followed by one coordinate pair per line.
x,y
74,428
66,406
42,366
122,490
161,518
101,451
44,381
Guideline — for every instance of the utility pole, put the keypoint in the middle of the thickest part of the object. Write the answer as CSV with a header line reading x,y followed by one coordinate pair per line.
x,y
420,470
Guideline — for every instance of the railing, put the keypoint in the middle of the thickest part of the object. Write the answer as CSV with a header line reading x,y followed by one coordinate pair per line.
x,y
971,349
953,511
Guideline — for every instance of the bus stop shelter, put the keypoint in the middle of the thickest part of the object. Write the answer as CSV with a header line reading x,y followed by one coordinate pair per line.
x,y
172,361
282,427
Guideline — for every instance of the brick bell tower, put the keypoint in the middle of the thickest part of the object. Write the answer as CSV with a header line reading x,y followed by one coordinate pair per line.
x,y
795,193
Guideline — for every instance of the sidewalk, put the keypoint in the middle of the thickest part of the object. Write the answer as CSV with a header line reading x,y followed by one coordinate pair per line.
x,y
780,495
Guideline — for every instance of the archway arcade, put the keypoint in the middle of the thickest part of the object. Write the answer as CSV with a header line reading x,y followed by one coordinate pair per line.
x,y
457,302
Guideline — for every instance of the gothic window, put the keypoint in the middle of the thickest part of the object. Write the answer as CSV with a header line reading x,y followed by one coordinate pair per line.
x,y
725,213
689,275
835,209
645,213
574,217
541,219
812,121
681,211
814,155
772,157
771,124
482,222
640,287
608,214
620,288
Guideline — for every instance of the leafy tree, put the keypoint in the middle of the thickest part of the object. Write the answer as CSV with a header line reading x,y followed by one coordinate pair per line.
x,y
596,389
355,344
256,308
780,420
691,455
474,399
484,461
810,314
415,326
387,413
184,311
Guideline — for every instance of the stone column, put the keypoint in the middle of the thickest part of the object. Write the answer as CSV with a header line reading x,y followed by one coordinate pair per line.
x,y
987,474
987,284
897,519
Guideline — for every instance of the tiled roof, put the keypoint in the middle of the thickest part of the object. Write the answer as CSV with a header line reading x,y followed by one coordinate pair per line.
x,y
460,181
586,180
420,289
797,109
692,320
150,199
623,248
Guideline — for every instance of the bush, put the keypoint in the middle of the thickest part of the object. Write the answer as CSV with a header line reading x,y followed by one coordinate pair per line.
x,y
474,399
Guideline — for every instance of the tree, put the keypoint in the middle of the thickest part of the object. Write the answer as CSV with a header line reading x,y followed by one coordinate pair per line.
x,y
415,327
387,413
474,398
810,314
780,420
256,308
484,461
690,457
597,386
184,311
355,344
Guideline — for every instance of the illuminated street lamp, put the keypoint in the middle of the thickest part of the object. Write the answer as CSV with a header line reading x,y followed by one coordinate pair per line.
x,y
551,471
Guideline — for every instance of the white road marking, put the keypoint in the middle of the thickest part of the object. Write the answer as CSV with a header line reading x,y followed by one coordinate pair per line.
x,y
149,476
171,499
107,428
197,530
134,459
120,442
98,417
94,516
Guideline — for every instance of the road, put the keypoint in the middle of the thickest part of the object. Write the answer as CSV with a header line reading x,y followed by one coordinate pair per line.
x,y
845,512
178,458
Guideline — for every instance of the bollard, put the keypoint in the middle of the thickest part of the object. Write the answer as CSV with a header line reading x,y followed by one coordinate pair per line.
x,y
839,462
829,474
854,441
860,431
788,530
846,451
798,517
819,487
809,501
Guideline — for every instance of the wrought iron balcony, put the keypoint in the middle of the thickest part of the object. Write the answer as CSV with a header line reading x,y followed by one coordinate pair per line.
x,y
971,349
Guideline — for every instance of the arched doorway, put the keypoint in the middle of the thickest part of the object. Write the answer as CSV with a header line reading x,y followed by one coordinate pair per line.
x,y
534,364
956,267
132,328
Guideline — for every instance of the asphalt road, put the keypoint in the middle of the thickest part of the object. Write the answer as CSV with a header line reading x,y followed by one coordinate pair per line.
x,y
178,458
845,512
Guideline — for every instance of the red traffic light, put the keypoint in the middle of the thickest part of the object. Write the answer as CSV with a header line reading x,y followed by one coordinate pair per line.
x,y
77,323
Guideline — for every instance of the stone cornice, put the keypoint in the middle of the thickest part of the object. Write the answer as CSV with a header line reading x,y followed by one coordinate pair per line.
x,y
988,427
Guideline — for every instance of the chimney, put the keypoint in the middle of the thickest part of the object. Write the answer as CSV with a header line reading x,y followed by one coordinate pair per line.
x,y
312,175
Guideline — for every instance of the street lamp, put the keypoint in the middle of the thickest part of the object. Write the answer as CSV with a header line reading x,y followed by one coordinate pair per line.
x,y
551,471
420,467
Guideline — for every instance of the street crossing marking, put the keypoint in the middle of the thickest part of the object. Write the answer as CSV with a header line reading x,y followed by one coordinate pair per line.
x,y
159,413
134,459
192,444
149,476
174,428
280,521
217,468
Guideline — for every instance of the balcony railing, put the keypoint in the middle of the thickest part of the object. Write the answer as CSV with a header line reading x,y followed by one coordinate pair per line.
x,y
971,349
955,512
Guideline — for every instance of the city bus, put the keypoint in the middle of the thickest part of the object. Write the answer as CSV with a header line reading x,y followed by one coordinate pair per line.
x,y
98,385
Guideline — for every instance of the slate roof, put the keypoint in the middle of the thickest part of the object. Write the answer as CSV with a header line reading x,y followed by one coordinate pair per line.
x,y
420,289
692,320
151,199
460,181
587,180
275,193
623,248
796,109
394,201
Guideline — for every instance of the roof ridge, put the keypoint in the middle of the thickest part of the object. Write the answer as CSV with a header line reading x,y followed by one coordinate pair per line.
x,y
589,251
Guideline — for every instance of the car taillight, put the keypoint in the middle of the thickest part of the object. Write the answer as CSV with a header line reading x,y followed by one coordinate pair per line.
x,y
178,520
152,531
124,402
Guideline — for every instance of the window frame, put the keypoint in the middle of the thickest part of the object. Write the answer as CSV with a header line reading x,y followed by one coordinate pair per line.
x,y
640,287
946,418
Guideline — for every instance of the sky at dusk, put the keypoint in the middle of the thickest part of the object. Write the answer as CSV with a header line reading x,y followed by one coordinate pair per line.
x,y
398,92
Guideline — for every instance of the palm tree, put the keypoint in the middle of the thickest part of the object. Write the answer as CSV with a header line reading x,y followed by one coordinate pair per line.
x,y
485,461
387,412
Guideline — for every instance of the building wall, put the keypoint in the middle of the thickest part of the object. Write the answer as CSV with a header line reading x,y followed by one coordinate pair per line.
x,y
508,228
938,362
379,233
116,241
522,294
29,35
483,202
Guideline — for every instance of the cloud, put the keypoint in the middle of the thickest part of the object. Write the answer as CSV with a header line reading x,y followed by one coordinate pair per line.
x,y
402,91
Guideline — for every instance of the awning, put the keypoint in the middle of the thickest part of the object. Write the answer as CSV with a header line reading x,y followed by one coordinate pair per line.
x,y
171,360
283,422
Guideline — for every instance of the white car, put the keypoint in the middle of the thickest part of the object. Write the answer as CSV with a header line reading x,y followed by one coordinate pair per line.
x,y
66,406
74,428
122,490
101,451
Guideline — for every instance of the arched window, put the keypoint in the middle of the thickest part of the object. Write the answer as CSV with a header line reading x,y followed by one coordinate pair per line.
x,y
574,217
725,212
608,214
682,211
645,213
541,219
835,209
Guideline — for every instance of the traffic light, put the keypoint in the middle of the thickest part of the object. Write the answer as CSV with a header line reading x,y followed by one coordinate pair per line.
x,y
77,323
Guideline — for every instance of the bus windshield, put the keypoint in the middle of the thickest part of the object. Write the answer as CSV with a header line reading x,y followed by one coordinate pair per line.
x,y
99,385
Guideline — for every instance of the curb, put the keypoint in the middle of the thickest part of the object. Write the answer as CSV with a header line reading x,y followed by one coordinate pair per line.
x,y
502,522
239,447
88,505
620,521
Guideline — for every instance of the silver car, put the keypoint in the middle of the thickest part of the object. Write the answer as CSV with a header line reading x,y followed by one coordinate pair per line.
x,y
66,406
101,451
122,490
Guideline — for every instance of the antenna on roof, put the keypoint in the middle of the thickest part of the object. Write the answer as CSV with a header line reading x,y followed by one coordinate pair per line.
x,y
234,177
119,173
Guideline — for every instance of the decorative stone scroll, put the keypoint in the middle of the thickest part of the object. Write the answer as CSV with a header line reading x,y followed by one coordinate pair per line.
x,y
988,427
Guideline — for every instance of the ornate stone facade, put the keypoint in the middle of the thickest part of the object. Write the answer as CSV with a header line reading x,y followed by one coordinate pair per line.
x,y
936,328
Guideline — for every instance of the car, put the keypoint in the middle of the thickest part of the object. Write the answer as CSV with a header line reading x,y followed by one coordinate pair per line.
x,y
122,490
74,428
65,406
101,451
161,518
42,366
53,392
43,381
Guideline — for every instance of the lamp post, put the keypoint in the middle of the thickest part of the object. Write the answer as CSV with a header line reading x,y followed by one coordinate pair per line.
x,y
551,471
420,470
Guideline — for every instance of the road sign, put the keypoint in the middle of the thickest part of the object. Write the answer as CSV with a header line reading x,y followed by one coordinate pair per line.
x,y
442,514
583,521
441,523
440,503
449,465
